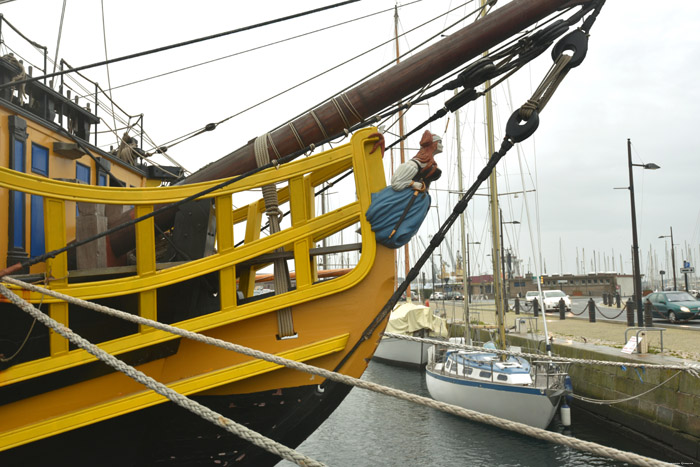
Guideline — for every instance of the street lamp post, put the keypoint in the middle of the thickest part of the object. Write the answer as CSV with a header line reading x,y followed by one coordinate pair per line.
x,y
635,243
673,258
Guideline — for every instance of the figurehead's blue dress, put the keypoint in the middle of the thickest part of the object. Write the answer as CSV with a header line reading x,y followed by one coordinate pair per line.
x,y
387,208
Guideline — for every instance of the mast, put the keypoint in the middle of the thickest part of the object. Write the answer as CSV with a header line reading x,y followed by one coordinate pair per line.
x,y
365,99
401,148
495,221
463,228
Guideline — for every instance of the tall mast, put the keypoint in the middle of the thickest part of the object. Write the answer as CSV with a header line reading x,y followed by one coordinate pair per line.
x,y
495,222
463,228
401,148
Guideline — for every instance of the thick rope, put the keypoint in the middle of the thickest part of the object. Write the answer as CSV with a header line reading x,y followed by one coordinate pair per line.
x,y
296,134
346,122
320,125
179,399
692,369
458,411
546,89
348,104
285,323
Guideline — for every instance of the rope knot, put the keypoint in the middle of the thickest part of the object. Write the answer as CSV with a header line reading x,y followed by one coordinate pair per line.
x,y
528,107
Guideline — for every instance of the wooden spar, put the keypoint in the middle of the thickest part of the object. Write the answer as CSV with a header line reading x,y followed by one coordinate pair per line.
x,y
367,98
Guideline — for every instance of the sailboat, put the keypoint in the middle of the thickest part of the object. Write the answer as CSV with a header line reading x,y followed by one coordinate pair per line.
x,y
146,302
504,386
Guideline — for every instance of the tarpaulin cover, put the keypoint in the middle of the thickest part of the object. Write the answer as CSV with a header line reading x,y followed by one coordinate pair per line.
x,y
409,318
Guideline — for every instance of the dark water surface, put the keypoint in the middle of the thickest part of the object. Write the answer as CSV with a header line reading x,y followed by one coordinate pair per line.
x,y
370,429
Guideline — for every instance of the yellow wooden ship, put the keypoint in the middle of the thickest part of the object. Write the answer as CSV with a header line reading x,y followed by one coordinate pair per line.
x,y
60,405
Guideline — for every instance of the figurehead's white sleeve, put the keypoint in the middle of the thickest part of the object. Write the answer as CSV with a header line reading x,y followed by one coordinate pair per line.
x,y
403,175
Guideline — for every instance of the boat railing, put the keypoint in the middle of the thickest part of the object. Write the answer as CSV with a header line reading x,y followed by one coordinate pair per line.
x,y
549,374
230,267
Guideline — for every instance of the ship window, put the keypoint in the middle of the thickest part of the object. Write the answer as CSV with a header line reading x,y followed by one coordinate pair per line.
x,y
40,165
18,164
502,378
449,364
102,178
484,374
467,371
82,173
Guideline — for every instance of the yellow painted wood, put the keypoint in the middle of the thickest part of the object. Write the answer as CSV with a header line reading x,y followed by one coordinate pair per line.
x,y
147,398
311,209
55,216
301,237
252,233
299,206
224,244
146,263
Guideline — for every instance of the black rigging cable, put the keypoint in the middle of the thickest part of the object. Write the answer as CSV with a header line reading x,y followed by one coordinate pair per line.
x,y
213,126
180,44
253,49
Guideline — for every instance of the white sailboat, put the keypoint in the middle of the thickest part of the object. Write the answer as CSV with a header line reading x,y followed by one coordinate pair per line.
x,y
485,381
413,320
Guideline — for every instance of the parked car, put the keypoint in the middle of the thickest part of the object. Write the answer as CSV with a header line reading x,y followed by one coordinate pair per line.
x,y
437,296
551,300
674,306
454,296
531,295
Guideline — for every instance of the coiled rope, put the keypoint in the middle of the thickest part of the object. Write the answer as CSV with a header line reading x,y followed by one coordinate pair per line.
x,y
285,324
579,444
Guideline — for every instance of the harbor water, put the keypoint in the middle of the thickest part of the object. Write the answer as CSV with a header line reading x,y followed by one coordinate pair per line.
x,y
370,429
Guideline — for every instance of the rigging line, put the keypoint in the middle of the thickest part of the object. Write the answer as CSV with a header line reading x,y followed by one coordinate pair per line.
x,y
182,44
506,51
202,130
258,47
104,41
60,32
390,63
154,147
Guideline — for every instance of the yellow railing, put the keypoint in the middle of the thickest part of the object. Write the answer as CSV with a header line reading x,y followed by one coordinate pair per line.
x,y
301,177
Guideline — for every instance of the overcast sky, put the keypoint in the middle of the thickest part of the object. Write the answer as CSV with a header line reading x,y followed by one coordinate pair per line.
x,y
638,82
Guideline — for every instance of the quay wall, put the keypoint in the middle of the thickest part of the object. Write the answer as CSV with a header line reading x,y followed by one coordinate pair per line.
x,y
669,413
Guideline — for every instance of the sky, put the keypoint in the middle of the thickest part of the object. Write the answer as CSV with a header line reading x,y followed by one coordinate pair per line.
x,y
638,82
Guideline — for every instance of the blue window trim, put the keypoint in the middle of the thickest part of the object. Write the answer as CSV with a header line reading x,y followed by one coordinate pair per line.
x,y
40,165
40,160
86,168
18,198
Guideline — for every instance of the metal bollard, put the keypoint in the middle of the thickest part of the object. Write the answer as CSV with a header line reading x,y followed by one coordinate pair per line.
x,y
618,299
630,313
517,306
605,299
647,315
535,308
562,309
591,310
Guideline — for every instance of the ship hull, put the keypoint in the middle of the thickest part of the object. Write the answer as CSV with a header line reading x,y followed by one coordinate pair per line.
x,y
528,405
170,435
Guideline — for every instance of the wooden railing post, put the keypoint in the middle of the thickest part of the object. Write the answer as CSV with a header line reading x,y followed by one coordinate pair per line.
x,y
57,268
224,241
146,263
